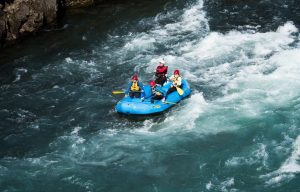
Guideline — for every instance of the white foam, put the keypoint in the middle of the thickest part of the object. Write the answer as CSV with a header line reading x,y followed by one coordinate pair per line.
x,y
258,156
76,130
71,66
147,125
19,72
69,60
291,165
229,182
278,88
220,45
79,181
262,155
18,77
275,181
209,185
185,118
248,89
230,58
287,170
76,138
192,22
140,43
288,29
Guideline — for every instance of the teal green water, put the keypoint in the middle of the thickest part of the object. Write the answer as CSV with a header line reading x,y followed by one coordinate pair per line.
x,y
238,131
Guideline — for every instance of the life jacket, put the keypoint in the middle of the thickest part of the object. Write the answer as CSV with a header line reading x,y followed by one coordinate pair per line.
x,y
162,70
134,86
176,80
155,92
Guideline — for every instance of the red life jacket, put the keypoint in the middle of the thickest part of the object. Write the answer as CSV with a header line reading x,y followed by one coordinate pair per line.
x,y
161,70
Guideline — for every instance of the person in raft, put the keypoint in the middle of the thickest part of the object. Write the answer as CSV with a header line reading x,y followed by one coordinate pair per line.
x,y
135,88
157,93
176,80
161,73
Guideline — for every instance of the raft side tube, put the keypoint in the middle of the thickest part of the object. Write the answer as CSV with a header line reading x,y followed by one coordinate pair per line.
x,y
135,106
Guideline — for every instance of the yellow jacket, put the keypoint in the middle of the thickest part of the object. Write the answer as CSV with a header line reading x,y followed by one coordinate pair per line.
x,y
176,80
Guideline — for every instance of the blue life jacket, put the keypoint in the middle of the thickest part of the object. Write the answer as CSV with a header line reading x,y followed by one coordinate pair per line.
x,y
157,91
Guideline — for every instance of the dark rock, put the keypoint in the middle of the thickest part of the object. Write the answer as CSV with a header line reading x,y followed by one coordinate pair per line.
x,y
2,29
25,16
20,17
1,12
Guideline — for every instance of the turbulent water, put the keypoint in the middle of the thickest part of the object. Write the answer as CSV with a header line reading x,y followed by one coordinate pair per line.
x,y
238,131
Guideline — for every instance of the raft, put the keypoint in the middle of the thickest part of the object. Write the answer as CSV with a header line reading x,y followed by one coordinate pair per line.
x,y
135,106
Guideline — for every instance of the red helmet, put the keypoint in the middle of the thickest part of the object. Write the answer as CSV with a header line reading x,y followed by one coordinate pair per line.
x,y
176,72
152,83
135,77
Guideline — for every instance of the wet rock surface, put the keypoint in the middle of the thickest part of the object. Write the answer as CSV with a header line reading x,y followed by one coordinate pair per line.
x,y
21,17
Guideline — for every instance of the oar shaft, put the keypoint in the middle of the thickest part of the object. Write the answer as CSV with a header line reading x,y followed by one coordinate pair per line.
x,y
123,92
179,90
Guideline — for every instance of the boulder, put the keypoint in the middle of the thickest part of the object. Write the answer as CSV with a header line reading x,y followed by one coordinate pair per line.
x,y
24,16
2,29
20,17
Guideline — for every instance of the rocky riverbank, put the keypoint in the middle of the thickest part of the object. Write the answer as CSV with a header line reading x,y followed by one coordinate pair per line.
x,y
21,17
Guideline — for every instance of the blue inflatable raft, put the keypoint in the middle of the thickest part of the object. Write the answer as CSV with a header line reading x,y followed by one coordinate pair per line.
x,y
135,106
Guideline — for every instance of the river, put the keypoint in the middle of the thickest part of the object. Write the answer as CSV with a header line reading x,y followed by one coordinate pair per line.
x,y
238,131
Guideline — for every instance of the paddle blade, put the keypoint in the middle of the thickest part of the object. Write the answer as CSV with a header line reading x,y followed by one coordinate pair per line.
x,y
118,92
180,91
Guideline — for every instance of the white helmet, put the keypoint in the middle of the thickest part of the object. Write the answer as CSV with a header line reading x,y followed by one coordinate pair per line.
x,y
162,61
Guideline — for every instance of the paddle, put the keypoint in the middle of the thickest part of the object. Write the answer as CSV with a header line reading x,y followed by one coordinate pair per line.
x,y
179,90
122,92
118,92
